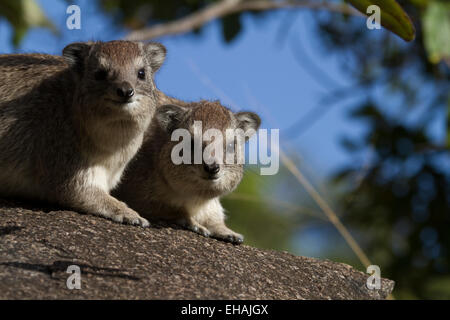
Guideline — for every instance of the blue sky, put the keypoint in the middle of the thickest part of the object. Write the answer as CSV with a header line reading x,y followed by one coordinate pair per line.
x,y
254,72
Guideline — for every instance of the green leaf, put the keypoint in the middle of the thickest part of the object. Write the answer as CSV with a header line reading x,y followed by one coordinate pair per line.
x,y
23,15
436,24
420,3
393,17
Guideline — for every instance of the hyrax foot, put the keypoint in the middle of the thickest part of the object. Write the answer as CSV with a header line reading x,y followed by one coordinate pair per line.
x,y
98,202
222,232
230,236
130,217
195,227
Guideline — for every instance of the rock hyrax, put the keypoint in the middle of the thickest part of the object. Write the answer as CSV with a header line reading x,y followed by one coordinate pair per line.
x,y
69,125
186,194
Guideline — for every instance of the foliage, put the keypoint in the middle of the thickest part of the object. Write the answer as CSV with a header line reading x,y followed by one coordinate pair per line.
x,y
437,30
140,13
403,202
24,15
393,17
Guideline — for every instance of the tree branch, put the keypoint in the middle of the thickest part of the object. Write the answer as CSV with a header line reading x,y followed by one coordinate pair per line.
x,y
227,7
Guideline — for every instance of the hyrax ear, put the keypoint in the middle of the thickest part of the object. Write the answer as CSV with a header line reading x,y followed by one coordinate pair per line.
x,y
248,121
156,53
75,54
169,116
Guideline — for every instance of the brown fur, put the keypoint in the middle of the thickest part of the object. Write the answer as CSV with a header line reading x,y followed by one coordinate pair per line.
x,y
65,136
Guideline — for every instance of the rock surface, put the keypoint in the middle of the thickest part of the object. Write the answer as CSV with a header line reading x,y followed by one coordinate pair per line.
x,y
124,262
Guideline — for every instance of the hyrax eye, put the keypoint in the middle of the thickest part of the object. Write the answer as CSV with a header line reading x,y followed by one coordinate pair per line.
x,y
141,74
100,75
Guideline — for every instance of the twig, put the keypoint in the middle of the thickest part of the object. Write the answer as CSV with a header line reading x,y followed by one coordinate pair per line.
x,y
227,7
325,208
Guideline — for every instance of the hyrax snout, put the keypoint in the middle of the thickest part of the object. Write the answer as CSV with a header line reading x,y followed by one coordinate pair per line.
x,y
69,125
181,171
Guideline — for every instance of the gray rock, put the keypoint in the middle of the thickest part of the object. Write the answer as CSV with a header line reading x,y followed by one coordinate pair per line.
x,y
126,262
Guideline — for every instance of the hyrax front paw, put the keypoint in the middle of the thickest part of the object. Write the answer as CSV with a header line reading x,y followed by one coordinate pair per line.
x,y
130,217
201,230
230,236
196,227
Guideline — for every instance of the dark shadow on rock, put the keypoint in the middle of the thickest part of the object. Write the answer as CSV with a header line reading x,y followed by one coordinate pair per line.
x,y
36,205
4,230
61,266
33,205
162,224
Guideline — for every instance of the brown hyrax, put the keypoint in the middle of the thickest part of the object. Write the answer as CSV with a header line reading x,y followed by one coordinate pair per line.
x,y
69,125
187,194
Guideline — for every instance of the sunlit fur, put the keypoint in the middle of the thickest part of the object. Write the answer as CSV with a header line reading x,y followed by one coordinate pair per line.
x,y
64,136
157,188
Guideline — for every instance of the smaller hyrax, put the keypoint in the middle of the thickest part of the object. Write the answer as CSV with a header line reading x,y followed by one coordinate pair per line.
x,y
188,194
69,125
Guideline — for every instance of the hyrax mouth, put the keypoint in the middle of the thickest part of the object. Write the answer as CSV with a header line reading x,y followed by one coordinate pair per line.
x,y
122,102
211,171
212,178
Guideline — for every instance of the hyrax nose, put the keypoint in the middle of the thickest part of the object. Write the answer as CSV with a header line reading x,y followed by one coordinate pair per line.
x,y
125,90
211,168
